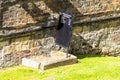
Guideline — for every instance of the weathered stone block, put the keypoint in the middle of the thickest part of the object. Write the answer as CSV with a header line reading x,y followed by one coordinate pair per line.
x,y
30,63
56,59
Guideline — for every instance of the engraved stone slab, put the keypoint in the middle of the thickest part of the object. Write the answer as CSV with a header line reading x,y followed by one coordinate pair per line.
x,y
55,59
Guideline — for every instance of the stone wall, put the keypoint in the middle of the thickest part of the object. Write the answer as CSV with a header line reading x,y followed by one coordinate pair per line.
x,y
16,47
103,36
25,13
96,27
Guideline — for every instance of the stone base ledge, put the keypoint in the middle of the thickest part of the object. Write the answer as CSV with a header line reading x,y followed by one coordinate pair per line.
x,y
43,62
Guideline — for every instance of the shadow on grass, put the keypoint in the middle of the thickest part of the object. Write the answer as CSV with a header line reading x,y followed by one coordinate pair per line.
x,y
81,56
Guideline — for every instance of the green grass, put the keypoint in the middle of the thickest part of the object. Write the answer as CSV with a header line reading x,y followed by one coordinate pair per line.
x,y
89,67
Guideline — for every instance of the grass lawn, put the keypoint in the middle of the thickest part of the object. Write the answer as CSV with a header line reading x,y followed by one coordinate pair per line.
x,y
89,67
